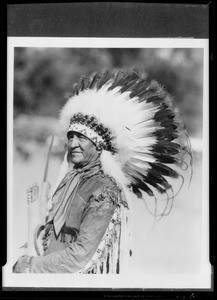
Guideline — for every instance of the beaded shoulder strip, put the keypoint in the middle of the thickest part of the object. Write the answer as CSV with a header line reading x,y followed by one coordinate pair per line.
x,y
106,258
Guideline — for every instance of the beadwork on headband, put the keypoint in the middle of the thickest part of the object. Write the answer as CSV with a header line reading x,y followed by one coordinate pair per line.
x,y
94,130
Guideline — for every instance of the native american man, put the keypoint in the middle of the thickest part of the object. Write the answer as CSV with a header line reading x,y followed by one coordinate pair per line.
x,y
123,136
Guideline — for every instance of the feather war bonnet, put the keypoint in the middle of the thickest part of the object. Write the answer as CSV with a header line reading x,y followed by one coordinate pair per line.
x,y
142,135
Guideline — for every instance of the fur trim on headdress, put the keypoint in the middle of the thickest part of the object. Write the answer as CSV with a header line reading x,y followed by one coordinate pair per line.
x,y
141,132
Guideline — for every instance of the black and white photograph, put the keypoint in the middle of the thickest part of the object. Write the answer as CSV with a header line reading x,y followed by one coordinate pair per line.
x,y
108,168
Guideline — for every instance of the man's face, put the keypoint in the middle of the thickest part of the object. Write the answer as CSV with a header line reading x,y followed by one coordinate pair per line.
x,y
81,151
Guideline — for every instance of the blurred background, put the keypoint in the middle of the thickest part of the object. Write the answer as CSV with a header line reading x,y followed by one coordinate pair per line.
x,y
43,80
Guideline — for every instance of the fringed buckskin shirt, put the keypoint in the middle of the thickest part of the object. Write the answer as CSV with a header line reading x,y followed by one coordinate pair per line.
x,y
86,237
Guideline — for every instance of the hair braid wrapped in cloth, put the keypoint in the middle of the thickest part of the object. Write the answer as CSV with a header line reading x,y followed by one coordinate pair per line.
x,y
135,122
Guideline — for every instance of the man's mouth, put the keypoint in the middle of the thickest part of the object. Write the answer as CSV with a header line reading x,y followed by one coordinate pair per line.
x,y
75,152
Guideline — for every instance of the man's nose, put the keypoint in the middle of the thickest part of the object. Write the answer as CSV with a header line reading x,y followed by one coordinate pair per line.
x,y
73,143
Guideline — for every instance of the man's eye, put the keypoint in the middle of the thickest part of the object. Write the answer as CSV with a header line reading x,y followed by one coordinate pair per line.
x,y
82,137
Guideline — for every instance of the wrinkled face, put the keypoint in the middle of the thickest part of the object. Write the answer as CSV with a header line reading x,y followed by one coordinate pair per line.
x,y
81,151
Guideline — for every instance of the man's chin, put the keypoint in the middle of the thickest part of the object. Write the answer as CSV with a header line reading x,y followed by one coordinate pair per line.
x,y
76,160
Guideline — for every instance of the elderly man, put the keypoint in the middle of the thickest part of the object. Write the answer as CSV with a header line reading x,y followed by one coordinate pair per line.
x,y
123,135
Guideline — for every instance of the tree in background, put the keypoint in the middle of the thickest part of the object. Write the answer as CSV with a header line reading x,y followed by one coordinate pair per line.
x,y
43,79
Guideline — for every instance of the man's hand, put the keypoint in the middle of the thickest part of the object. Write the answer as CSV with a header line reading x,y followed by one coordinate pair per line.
x,y
21,265
21,251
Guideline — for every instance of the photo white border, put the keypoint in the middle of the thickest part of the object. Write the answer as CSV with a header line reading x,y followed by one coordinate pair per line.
x,y
202,280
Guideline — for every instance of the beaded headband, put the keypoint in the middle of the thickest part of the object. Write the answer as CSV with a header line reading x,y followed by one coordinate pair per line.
x,y
94,130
